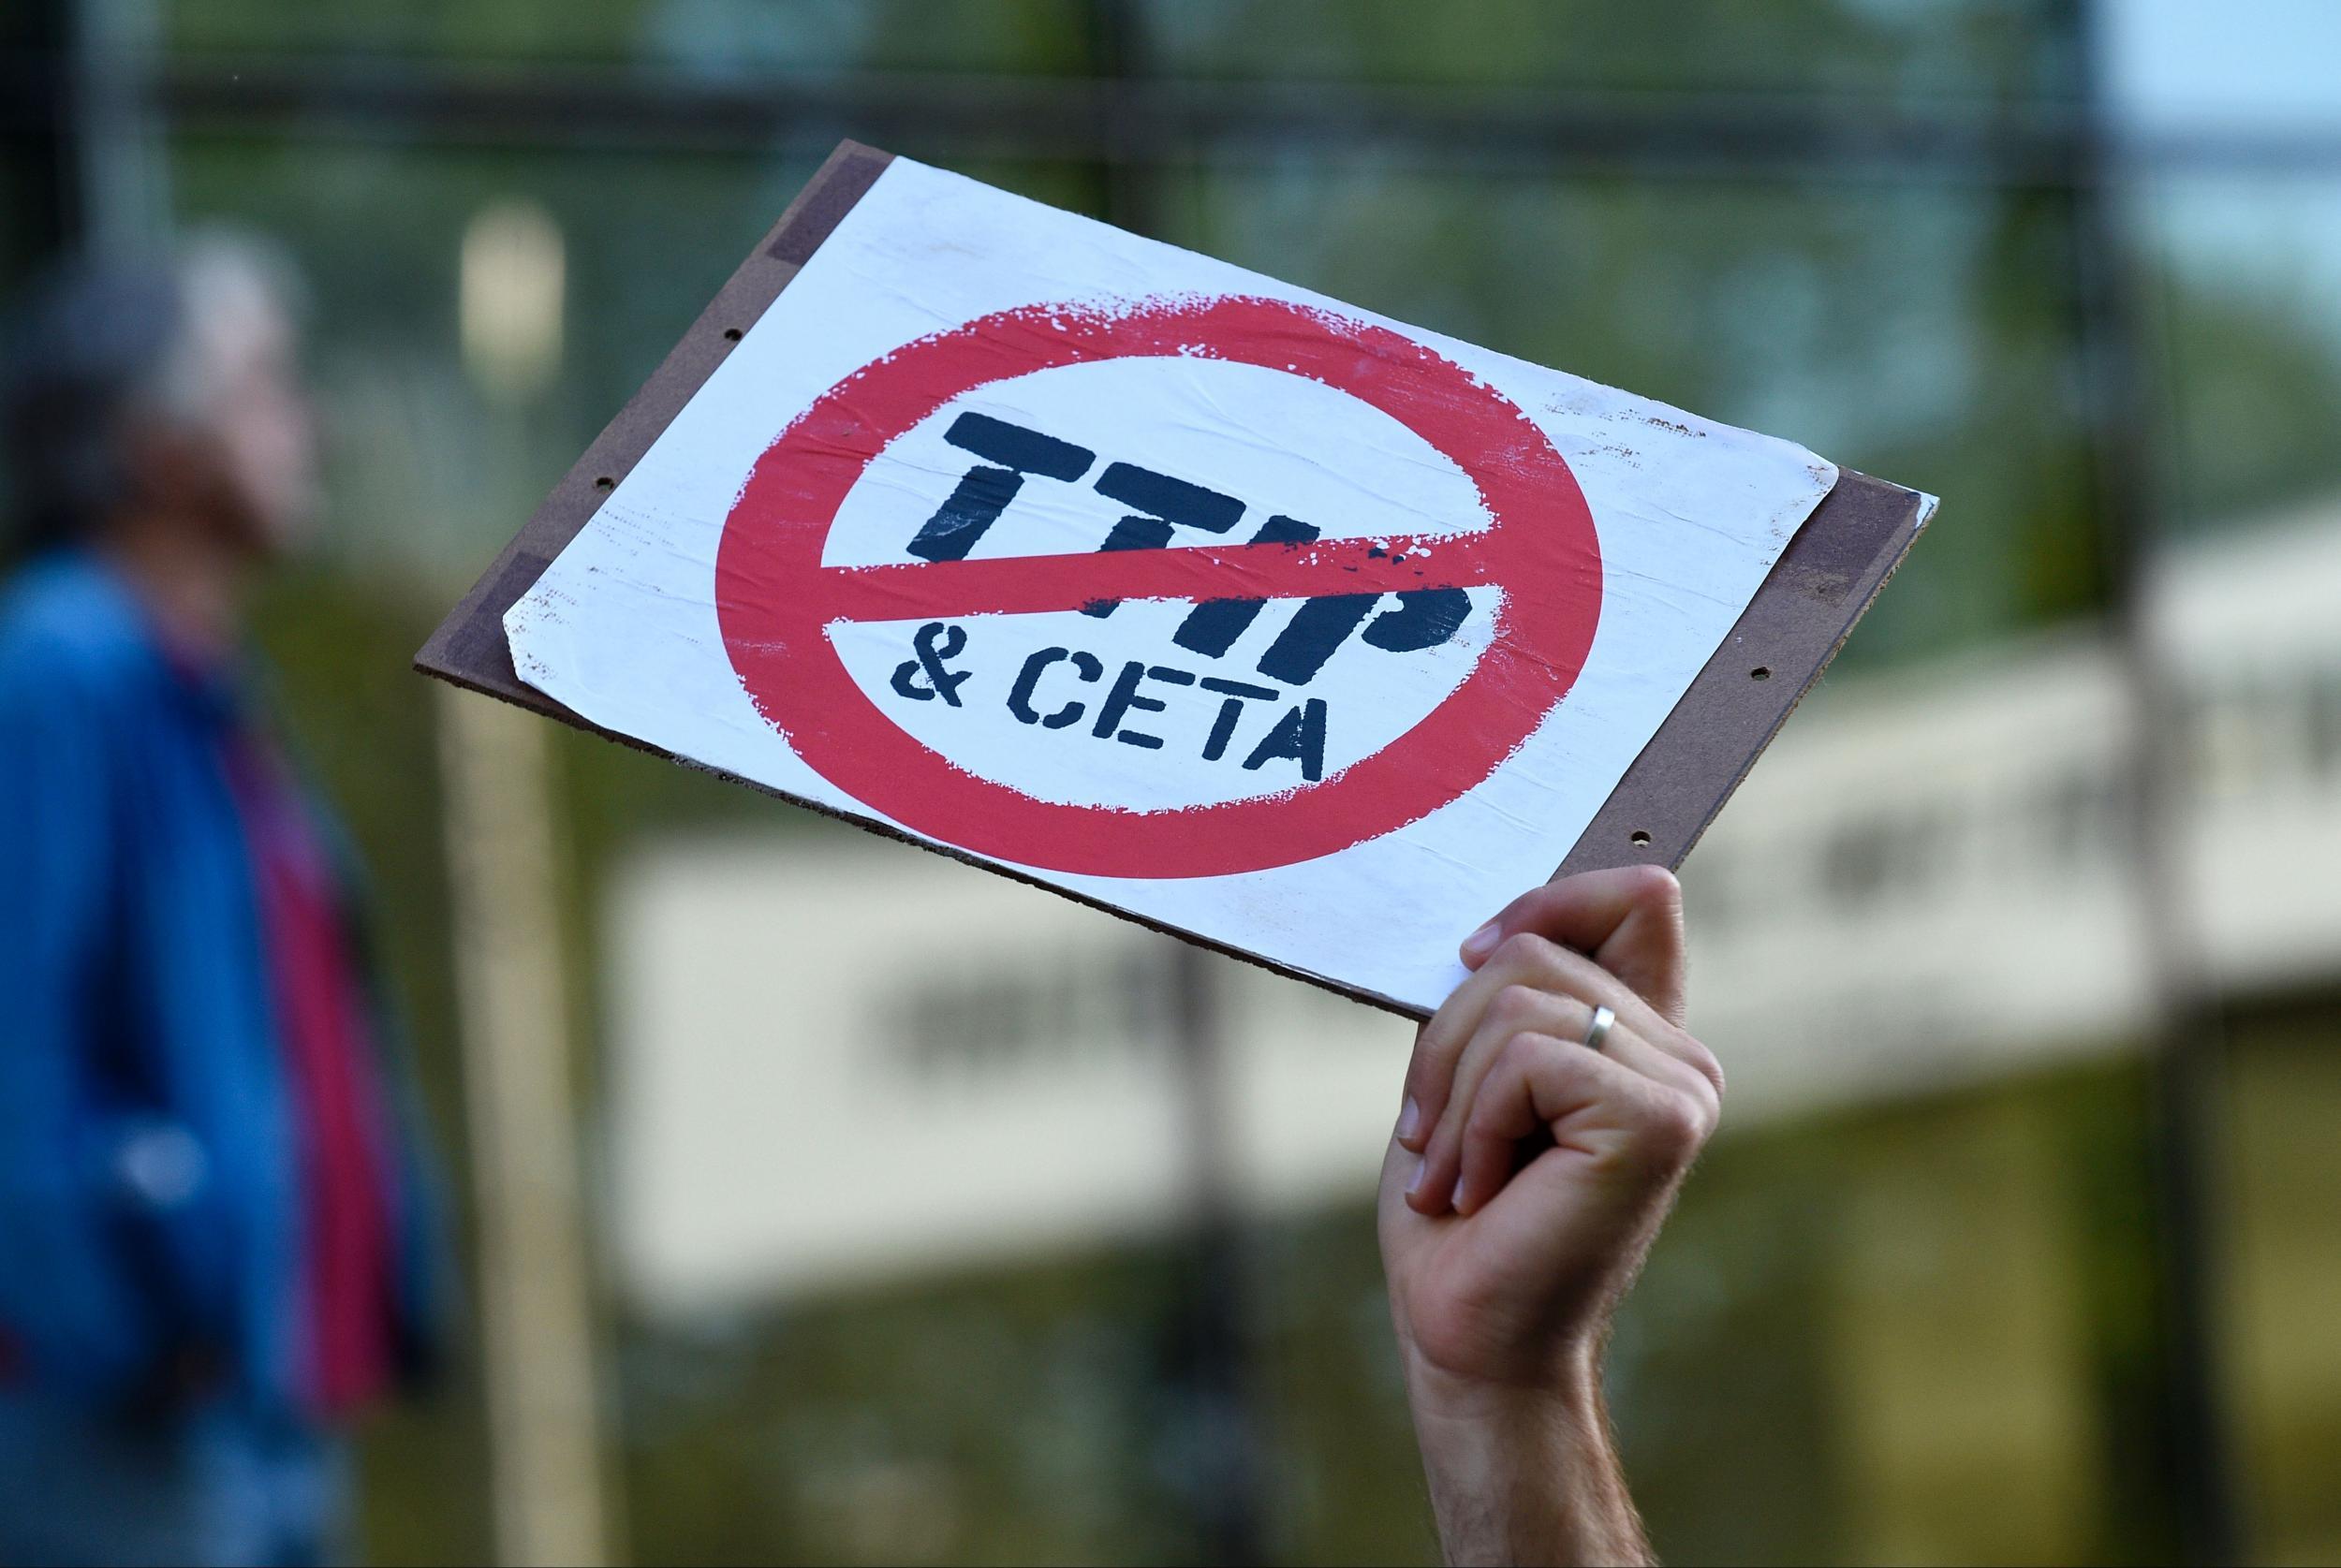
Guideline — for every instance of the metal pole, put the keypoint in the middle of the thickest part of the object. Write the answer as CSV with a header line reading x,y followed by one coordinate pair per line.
x,y
120,183
2186,1071
40,129
1118,55
543,1414
1222,1441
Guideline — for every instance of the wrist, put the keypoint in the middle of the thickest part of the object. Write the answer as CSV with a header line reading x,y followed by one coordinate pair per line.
x,y
1522,1443
1562,1387
1524,1471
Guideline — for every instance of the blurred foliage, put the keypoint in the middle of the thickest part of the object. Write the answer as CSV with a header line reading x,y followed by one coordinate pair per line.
x,y
1983,52
2253,398
722,37
2012,51
1924,331
1862,1323
1919,332
1799,1376
1014,1416
2283,1358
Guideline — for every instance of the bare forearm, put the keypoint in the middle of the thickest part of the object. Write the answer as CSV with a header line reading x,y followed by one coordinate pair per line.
x,y
1529,1480
1552,1107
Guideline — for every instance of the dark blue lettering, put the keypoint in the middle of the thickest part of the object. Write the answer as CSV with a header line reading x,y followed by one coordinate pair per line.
x,y
977,504
941,681
1309,638
1425,618
1211,627
1299,735
1163,503
1085,668
1125,695
1222,725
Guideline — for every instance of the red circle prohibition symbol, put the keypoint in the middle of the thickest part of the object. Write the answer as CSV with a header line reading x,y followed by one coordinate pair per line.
x,y
775,599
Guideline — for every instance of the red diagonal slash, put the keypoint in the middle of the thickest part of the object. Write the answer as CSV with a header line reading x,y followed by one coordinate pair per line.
x,y
1036,584
775,600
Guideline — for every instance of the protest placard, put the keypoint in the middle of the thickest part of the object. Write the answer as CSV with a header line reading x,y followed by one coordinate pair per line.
x,y
1191,593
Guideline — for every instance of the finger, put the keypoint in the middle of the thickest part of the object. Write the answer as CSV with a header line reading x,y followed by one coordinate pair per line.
x,y
1398,1163
1510,1108
1563,969
1586,912
1532,957
1663,1066
1524,958
1520,1009
1645,1130
1629,920
1438,1045
1510,1010
1569,1018
1528,958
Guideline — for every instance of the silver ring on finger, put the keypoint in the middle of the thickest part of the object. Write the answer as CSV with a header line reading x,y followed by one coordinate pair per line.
x,y
1598,1030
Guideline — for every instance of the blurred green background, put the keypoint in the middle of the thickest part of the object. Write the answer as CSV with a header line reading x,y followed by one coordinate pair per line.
x,y
1931,1326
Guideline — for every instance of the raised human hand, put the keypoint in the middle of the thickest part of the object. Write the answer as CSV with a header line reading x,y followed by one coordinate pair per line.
x,y
1525,1182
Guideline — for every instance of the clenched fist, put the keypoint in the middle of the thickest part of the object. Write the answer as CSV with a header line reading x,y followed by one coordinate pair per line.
x,y
1526,1178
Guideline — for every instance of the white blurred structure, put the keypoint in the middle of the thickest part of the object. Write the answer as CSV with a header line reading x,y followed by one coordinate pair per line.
x,y
838,1059
1926,879
513,293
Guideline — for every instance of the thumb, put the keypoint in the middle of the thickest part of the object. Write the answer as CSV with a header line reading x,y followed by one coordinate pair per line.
x,y
1628,919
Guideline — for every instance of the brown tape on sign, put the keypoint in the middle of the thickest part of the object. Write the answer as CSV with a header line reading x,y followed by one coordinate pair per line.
x,y
1830,572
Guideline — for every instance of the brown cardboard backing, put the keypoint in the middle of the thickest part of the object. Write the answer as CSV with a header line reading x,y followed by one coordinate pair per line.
x,y
1830,571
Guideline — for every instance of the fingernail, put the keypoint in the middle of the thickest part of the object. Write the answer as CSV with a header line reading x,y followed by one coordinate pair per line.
x,y
1456,1202
1409,1118
1414,1181
1479,941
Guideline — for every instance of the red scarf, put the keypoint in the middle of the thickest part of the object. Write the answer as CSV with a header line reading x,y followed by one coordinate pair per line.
x,y
336,1094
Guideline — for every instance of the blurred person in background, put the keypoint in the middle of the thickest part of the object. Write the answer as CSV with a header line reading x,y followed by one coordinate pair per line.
x,y
215,1242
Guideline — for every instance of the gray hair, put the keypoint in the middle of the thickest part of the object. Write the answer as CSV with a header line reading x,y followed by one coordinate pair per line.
x,y
96,347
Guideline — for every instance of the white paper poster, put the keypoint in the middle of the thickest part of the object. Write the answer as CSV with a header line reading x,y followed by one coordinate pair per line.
x,y
1182,589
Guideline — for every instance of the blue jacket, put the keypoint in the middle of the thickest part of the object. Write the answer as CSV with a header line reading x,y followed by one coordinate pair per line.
x,y
151,1205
